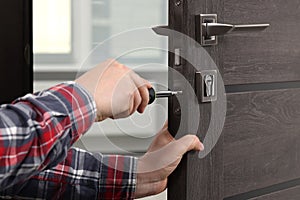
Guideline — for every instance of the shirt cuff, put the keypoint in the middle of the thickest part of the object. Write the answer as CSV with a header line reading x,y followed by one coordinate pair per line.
x,y
118,179
79,104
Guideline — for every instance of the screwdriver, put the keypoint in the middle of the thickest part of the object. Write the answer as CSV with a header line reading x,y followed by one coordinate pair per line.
x,y
161,94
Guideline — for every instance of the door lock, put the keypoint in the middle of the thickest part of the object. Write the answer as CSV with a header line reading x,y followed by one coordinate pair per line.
x,y
209,85
206,85
208,29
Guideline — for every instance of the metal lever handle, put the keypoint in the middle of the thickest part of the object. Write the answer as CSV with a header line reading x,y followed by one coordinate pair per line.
x,y
208,29
215,29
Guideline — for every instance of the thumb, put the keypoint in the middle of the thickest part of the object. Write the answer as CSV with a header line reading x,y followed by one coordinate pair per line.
x,y
162,138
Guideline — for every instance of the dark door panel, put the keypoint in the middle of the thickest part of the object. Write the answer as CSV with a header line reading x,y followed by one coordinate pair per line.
x,y
272,55
15,49
269,56
260,144
290,194
261,140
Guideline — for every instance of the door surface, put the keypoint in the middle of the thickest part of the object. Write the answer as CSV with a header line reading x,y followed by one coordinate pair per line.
x,y
258,153
15,49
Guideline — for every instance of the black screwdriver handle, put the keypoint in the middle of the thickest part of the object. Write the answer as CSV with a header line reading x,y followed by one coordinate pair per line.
x,y
151,96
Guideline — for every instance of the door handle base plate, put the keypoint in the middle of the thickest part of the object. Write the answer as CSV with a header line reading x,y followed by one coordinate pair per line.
x,y
202,39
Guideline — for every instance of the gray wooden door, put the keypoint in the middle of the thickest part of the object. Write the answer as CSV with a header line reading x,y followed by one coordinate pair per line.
x,y
258,153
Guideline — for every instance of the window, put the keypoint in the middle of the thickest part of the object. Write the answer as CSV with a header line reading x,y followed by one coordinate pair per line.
x,y
65,31
52,27
52,30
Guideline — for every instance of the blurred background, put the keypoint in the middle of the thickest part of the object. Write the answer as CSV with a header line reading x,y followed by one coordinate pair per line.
x,y
65,33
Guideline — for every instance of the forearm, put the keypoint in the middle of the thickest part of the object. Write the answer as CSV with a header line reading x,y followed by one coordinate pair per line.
x,y
36,131
82,175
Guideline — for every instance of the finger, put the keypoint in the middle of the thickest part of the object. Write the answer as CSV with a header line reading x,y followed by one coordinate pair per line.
x,y
164,136
168,157
137,99
143,86
166,123
144,92
188,143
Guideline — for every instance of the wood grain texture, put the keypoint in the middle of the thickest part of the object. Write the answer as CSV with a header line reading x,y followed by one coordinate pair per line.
x,y
261,140
269,56
290,194
194,179
177,182
255,57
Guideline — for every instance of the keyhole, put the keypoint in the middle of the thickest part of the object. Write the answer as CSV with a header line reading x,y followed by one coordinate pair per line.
x,y
208,85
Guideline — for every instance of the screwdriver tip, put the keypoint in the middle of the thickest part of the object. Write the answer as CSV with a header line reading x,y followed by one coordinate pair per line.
x,y
177,92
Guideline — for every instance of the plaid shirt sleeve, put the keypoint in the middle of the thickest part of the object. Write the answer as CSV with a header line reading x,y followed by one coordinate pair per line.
x,y
83,175
36,134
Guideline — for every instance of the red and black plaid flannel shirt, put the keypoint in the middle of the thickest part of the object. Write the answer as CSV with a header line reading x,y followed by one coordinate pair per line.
x,y
37,160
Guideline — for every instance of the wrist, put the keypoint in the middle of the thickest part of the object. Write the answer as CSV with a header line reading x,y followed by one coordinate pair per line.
x,y
148,183
84,86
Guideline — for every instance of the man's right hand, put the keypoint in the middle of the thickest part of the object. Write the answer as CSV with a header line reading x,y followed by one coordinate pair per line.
x,y
117,90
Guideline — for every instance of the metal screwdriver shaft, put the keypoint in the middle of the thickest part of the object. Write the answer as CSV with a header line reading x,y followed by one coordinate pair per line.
x,y
161,94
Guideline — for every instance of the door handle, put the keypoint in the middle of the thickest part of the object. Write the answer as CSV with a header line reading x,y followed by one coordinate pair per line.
x,y
215,29
208,29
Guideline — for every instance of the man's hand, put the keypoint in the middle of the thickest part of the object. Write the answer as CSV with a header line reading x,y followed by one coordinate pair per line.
x,y
161,159
117,90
